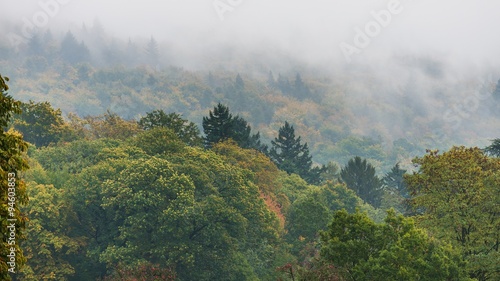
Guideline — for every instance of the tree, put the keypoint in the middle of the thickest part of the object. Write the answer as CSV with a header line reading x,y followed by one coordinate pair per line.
x,y
47,245
152,52
39,123
270,80
394,250
360,176
291,155
457,193
494,148
12,189
73,52
185,130
496,93
395,180
300,89
110,125
220,125
238,83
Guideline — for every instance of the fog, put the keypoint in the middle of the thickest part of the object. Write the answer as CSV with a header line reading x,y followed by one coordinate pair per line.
x,y
309,30
423,47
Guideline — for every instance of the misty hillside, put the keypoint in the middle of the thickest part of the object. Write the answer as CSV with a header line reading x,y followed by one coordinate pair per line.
x,y
419,102
246,141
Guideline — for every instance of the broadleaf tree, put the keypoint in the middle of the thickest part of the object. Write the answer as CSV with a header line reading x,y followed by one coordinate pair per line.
x,y
12,188
457,193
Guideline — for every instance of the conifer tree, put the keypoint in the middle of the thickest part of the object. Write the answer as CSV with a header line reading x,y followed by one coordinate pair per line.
x,y
217,126
290,154
360,176
220,125
239,84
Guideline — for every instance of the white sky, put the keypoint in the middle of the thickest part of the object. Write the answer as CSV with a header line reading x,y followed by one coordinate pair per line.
x,y
313,29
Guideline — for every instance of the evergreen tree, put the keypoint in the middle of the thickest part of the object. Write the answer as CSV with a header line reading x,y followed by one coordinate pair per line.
x,y
217,126
35,45
360,176
496,93
290,154
152,52
239,84
73,52
395,180
220,125
494,148
270,80
300,89
283,84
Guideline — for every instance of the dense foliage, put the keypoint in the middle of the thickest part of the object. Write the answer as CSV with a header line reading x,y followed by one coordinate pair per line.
x,y
124,185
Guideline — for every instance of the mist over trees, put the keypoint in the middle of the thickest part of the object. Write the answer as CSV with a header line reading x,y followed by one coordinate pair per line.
x,y
146,161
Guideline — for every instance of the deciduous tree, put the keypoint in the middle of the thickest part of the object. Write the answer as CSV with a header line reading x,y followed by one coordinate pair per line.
x,y
12,187
458,193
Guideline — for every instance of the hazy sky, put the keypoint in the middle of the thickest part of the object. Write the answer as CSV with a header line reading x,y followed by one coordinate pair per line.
x,y
314,29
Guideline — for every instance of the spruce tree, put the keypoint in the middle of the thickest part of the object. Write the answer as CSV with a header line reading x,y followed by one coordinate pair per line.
x,y
290,154
217,126
220,125
394,179
360,176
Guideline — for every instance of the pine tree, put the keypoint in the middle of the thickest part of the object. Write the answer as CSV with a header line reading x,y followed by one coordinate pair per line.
x,y
72,51
494,148
360,176
300,89
217,126
290,154
239,84
394,179
270,80
496,93
220,125
152,52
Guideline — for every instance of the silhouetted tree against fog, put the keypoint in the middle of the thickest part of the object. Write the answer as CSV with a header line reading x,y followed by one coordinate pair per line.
x,y
73,52
238,83
152,52
496,93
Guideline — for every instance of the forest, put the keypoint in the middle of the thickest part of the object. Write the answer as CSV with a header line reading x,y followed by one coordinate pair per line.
x,y
130,169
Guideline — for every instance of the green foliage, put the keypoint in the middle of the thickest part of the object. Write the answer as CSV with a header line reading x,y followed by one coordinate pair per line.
x,y
187,131
157,141
110,125
393,250
143,272
292,156
395,181
494,148
220,125
12,164
457,193
47,244
39,123
360,176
